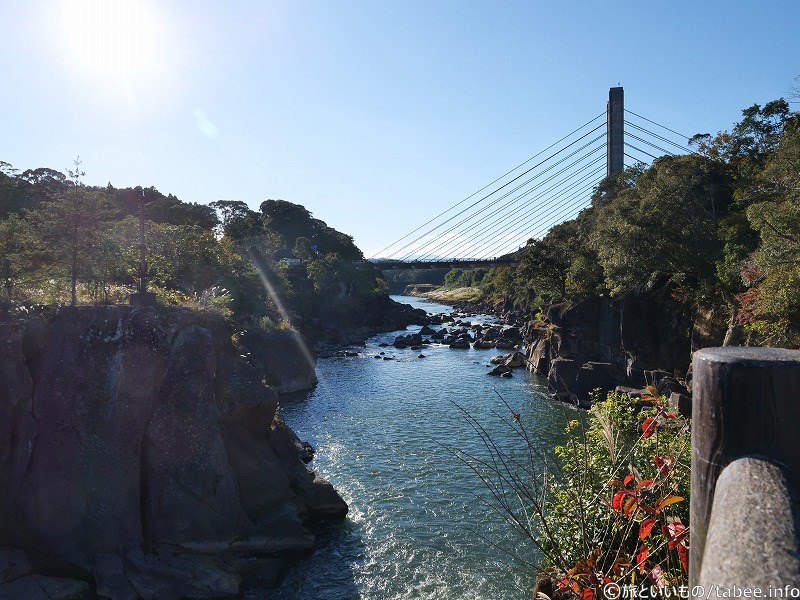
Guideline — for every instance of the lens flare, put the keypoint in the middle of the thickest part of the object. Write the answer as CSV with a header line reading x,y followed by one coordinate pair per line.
x,y
261,267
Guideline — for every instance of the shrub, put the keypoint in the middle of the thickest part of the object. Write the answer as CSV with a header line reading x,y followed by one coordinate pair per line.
x,y
609,505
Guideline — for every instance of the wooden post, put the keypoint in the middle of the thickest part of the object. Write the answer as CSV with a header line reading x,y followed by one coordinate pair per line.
x,y
745,402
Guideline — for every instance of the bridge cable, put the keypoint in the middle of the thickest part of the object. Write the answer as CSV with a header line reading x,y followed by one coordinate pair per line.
x,y
532,221
686,137
491,183
522,235
642,151
495,191
658,137
544,221
500,188
537,209
489,237
508,204
644,141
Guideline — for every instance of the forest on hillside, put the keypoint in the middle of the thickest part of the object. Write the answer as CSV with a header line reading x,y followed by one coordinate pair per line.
x,y
65,242
717,229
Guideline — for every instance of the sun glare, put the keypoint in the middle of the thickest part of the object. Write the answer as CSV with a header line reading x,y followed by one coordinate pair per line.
x,y
112,39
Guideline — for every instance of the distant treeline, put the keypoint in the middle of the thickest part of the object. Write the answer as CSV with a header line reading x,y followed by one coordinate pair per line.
x,y
717,228
62,241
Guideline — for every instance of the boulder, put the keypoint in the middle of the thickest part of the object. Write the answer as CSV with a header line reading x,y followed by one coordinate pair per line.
x,y
173,574
505,343
682,403
595,376
483,345
631,392
491,333
282,359
460,344
538,356
500,359
655,376
427,330
669,385
515,359
499,370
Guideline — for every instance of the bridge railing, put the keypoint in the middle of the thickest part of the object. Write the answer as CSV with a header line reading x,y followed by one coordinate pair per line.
x,y
745,524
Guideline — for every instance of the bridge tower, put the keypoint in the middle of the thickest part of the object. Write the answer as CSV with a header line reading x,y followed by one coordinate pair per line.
x,y
615,131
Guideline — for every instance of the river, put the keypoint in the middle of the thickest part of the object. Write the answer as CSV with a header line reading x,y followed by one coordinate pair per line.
x,y
382,429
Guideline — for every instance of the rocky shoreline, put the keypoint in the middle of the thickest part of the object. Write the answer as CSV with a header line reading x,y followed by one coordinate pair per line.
x,y
608,345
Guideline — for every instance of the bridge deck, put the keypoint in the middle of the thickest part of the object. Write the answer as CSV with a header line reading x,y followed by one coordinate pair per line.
x,y
444,264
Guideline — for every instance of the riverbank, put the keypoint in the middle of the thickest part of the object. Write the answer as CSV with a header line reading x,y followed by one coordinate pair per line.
x,y
470,295
603,344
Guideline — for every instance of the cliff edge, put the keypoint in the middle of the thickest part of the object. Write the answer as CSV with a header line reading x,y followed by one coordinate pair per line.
x,y
140,454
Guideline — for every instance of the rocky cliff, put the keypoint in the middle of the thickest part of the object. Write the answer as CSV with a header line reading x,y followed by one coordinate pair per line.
x,y
140,455
637,340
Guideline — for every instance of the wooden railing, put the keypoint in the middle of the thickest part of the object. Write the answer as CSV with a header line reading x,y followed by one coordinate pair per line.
x,y
745,525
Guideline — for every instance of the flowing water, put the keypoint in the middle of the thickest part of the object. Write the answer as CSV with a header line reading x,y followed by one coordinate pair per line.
x,y
384,431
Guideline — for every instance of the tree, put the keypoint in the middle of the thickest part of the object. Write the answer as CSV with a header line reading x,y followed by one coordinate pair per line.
x,y
771,305
68,228
304,249
665,226
12,241
238,221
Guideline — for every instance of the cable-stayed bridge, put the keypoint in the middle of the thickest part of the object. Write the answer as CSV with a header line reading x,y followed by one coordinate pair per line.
x,y
554,185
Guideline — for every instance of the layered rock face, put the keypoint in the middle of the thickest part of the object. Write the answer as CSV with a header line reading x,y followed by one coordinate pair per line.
x,y
140,452
641,339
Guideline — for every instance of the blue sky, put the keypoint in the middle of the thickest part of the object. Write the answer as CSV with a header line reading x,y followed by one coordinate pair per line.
x,y
374,115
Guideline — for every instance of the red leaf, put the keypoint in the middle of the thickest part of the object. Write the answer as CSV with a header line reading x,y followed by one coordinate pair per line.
x,y
657,576
629,506
664,464
683,553
645,483
646,527
675,532
628,479
587,594
649,427
616,501
641,557
668,501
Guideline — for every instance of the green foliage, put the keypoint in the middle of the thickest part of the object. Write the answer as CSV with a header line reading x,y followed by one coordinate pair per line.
x,y
215,299
664,226
463,278
63,241
612,504
591,508
67,233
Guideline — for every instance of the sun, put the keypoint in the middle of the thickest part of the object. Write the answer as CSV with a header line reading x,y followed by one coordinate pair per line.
x,y
112,39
